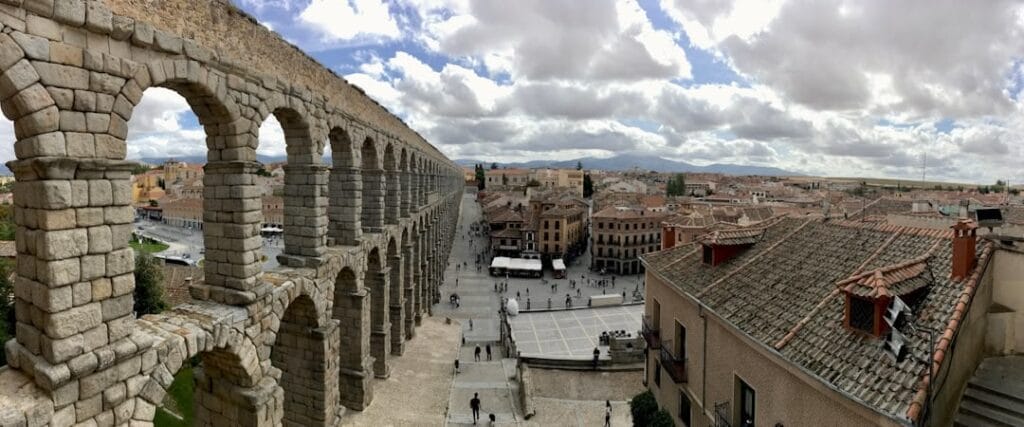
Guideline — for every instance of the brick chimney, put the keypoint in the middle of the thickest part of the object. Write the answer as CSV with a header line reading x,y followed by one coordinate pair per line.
x,y
964,240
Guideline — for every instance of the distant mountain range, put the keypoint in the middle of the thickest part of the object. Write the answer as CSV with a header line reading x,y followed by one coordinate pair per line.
x,y
617,163
631,161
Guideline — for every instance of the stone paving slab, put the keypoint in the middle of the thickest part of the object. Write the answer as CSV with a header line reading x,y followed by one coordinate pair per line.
x,y
424,372
571,334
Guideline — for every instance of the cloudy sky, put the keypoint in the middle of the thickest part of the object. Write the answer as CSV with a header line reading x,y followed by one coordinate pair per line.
x,y
830,87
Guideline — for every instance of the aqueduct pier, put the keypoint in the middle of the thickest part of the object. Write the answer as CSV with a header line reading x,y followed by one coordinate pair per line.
x,y
365,239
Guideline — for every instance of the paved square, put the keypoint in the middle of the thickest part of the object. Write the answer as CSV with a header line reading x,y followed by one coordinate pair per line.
x,y
571,334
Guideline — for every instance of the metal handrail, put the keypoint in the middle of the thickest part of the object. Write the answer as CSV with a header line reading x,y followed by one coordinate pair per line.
x,y
651,333
673,364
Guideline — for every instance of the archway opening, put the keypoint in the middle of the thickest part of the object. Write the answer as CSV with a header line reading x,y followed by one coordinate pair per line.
x,y
344,191
372,215
376,280
301,351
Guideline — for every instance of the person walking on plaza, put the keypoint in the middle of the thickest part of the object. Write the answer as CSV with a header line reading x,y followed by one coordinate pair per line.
x,y
607,413
488,349
476,353
597,354
474,404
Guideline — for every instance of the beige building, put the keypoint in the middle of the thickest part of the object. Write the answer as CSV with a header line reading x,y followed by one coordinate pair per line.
x,y
783,323
621,235
495,178
560,178
560,225
147,186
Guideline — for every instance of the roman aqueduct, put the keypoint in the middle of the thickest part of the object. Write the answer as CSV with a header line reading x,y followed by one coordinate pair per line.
x,y
365,239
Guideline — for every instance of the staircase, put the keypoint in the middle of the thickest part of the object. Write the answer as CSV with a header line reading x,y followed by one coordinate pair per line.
x,y
994,395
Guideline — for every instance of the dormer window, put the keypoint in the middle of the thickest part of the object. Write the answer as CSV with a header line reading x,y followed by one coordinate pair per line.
x,y
721,246
869,294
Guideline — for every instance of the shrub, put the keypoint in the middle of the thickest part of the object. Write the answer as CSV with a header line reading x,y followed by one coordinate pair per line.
x,y
643,407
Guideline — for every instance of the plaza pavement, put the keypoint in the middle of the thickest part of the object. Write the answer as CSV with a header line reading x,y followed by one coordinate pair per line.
x,y
416,393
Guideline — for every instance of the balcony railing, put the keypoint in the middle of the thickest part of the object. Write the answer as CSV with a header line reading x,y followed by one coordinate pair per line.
x,y
651,333
722,415
673,364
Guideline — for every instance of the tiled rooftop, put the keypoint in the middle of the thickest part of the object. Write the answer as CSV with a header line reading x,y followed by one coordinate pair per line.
x,y
785,292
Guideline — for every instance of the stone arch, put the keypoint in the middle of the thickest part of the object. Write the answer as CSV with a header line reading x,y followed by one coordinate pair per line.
x,y
229,369
344,189
27,103
375,278
305,186
301,352
352,310
392,198
229,136
372,214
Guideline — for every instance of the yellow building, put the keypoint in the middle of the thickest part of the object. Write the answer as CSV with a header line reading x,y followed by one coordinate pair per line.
x,y
560,178
146,186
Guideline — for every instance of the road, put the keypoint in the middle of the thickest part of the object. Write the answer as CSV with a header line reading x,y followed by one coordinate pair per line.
x,y
185,241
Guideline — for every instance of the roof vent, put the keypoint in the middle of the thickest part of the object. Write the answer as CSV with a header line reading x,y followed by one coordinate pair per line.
x,y
875,299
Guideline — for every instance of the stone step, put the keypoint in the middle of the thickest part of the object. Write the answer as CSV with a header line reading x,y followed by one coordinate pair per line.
x,y
501,418
1010,404
968,420
989,413
1000,384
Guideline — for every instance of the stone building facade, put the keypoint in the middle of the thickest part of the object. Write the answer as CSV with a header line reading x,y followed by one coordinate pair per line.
x,y
365,240
621,236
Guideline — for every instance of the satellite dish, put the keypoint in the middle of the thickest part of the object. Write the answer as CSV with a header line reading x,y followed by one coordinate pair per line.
x,y
895,345
896,308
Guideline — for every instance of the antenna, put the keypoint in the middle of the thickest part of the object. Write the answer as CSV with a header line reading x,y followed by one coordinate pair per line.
x,y
924,167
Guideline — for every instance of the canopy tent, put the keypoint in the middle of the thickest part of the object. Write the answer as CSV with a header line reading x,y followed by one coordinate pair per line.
x,y
559,266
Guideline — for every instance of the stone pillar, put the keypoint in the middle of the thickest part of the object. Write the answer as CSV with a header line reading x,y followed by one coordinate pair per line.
x,y
345,206
309,373
410,291
355,383
396,301
418,277
372,216
392,198
217,401
421,191
305,215
377,283
232,216
406,199
74,290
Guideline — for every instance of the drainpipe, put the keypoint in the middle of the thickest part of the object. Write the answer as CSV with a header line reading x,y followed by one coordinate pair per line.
x,y
704,361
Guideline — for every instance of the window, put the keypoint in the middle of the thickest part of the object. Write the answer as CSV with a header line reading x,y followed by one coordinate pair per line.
x,y
545,235
708,255
657,372
600,251
746,408
558,236
680,339
684,408
545,247
558,224
600,225
557,248
862,314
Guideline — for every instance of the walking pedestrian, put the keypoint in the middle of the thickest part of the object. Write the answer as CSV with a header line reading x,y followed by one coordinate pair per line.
x,y
456,366
474,404
488,351
597,354
476,353
471,324
607,413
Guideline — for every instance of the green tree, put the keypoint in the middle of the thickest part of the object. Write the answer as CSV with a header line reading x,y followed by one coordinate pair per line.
x,y
7,225
480,177
588,186
7,319
676,185
149,288
662,419
533,183
579,165
494,166
643,407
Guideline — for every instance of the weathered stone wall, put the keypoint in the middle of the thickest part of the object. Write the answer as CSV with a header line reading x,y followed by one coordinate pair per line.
x,y
71,72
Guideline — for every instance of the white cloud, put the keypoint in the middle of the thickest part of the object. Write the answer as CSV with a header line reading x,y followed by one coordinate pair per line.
x,y
347,19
